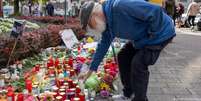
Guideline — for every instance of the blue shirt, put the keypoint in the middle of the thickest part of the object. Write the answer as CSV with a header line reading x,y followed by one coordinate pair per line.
x,y
139,21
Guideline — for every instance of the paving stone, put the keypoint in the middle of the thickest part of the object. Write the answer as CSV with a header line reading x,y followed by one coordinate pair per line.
x,y
196,91
154,71
161,97
155,76
176,91
188,98
171,75
195,85
177,73
191,80
154,91
170,80
178,85
153,80
158,84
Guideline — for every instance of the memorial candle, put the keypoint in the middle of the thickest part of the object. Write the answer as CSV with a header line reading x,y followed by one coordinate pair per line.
x,y
28,84
20,97
10,94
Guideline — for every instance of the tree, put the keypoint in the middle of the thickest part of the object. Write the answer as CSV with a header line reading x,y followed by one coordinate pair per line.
x,y
1,8
16,7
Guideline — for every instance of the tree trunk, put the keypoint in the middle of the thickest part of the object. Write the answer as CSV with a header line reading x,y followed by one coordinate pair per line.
x,y
16,7
1,8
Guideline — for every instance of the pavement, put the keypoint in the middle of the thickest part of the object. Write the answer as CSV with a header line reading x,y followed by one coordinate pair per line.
x,y
176,76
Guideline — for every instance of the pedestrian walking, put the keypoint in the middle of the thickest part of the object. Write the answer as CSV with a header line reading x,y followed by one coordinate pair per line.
x,y
36,11
192,11
50,9
25,10
179,11
148,30
30,4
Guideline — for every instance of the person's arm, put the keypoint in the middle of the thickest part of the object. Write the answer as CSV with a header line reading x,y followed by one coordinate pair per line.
x,y
188,9
163,4
101,50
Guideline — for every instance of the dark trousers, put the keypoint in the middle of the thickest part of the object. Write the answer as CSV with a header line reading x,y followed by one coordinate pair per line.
x,y
133,67
191,20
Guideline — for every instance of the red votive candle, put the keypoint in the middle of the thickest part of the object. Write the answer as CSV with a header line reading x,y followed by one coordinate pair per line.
x,y
37,67
63,94
28,84
82,96
20,97
78,90
10,94
70,83
70,61
56,63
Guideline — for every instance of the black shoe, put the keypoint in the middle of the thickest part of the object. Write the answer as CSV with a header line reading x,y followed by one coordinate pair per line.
x,y
140,99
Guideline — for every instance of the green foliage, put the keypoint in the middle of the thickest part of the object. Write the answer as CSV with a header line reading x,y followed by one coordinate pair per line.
x,y
19,84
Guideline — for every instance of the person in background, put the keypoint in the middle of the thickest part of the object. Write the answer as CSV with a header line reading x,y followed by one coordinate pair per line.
x,y
192,11
179,11
36,11
74,10
30,4
170,8
50,9
25,10
148,30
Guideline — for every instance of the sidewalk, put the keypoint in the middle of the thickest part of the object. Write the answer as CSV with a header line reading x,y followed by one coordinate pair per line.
x,y
177,74
188,31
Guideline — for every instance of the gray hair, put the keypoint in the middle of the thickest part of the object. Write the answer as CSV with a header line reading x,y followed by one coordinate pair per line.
x,y
98,7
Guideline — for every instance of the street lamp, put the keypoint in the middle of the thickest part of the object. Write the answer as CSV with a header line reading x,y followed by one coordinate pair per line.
x,y
65,9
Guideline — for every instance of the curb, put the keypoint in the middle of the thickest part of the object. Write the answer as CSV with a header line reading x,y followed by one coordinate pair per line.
x,y
187,31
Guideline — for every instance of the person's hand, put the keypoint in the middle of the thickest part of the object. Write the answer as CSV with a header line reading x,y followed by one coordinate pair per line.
x,y
85,76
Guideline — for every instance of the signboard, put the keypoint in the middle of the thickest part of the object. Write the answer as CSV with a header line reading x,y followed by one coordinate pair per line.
x,y
158,2
8,10
17,29
69,38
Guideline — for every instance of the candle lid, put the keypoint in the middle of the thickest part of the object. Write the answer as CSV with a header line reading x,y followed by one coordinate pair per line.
x,y
72,89
61,89
51,67
76,99
53,93
59,97
66,83
62,93
55,88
